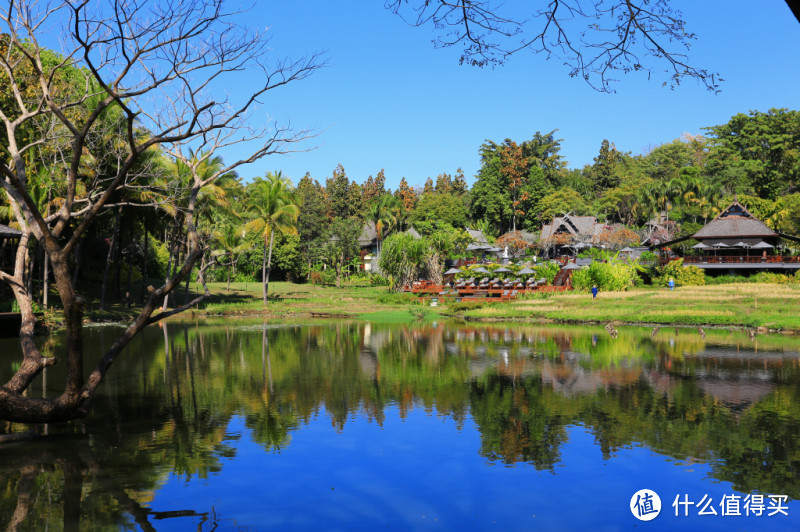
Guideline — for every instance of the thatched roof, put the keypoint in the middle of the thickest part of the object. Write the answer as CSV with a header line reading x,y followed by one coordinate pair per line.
x,y
413,232
7,232
477,236
586,226
735,222
369,235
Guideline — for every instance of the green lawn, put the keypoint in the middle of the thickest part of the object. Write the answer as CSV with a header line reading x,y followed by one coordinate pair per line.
x,y
750,305
742,305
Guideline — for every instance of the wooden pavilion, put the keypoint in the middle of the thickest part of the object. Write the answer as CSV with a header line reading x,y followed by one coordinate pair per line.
x,y
9,322
560,236
737,242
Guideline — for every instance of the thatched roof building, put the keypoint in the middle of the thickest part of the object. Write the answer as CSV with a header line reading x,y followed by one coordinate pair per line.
x,y
735,224
578,227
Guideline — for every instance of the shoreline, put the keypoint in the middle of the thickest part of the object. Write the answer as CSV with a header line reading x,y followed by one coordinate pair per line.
x,y
757,307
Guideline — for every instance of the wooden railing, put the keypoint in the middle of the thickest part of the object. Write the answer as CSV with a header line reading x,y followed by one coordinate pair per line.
x,y
770,259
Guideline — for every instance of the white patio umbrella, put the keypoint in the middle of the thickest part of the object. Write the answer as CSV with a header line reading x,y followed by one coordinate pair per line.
x,y
700,245
743,245
719,245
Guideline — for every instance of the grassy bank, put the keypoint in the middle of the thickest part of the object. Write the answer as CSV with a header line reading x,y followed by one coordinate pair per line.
x,y
742,305
286,301
748,305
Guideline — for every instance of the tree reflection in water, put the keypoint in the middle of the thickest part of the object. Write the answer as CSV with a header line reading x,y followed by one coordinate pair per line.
x,y
721,399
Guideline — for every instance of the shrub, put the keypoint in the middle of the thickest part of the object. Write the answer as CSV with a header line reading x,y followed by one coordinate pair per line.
x,y
683,275
402,257
648,256
547,270
463,306
611,276
378,280
774,278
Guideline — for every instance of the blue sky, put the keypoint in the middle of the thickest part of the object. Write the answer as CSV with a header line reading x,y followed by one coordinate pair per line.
x,y
388,99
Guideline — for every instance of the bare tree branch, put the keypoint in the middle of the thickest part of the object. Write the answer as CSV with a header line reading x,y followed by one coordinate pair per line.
x,y
594,43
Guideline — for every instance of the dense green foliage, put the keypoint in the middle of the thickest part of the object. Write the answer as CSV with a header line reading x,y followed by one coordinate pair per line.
x,y
683,276
521,186
612,275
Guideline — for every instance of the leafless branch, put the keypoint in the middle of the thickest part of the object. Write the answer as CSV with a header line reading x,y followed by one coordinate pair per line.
x,y
594,42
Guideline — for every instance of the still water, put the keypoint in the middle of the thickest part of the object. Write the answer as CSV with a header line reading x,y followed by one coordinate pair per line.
x,y
358,426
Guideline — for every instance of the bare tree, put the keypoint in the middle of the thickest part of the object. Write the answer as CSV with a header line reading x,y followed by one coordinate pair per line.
x,y
595,39
161,64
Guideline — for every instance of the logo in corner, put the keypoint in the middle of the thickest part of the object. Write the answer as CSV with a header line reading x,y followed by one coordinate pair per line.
x,y
645,505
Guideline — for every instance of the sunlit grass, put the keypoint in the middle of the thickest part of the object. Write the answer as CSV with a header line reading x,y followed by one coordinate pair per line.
x,y
743,305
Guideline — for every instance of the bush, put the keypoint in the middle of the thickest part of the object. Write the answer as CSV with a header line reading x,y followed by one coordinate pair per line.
x,y
378,280
463,306
593,253
547,270
683,275
772,278
402,257
610,276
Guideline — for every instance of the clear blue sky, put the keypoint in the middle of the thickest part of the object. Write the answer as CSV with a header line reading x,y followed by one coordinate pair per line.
x,y
388,99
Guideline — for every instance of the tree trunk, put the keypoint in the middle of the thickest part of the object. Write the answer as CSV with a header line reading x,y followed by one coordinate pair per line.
x,y
78,249
269,265
110,259
186,289
128,298
45,285
144,263
264,272
173,254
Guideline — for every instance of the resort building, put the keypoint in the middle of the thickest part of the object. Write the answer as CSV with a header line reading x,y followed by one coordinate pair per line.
x,y
9,238
368,242
736,242
565,233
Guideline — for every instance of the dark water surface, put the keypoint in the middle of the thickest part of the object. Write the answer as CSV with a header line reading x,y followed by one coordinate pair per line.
x,y
354,426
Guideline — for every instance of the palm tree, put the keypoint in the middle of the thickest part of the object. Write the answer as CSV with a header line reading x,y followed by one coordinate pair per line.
x,y
383,215
229,244
276,210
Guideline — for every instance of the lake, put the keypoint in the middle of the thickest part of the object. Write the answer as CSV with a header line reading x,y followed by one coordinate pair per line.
x,y
241,425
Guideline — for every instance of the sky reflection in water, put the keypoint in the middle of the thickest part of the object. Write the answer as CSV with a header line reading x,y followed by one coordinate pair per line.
x,y
444,427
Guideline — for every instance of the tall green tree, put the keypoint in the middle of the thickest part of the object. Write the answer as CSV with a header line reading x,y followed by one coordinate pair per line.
x,y
337,192
383,214
312,222
760,149
513,178
605,172
276,209
441,207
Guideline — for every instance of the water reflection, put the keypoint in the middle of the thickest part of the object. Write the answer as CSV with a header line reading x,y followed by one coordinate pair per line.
x,y
169,408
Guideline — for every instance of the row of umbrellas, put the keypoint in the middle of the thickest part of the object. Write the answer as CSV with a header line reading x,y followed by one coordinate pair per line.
x,y
760,245
483,247
502,269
